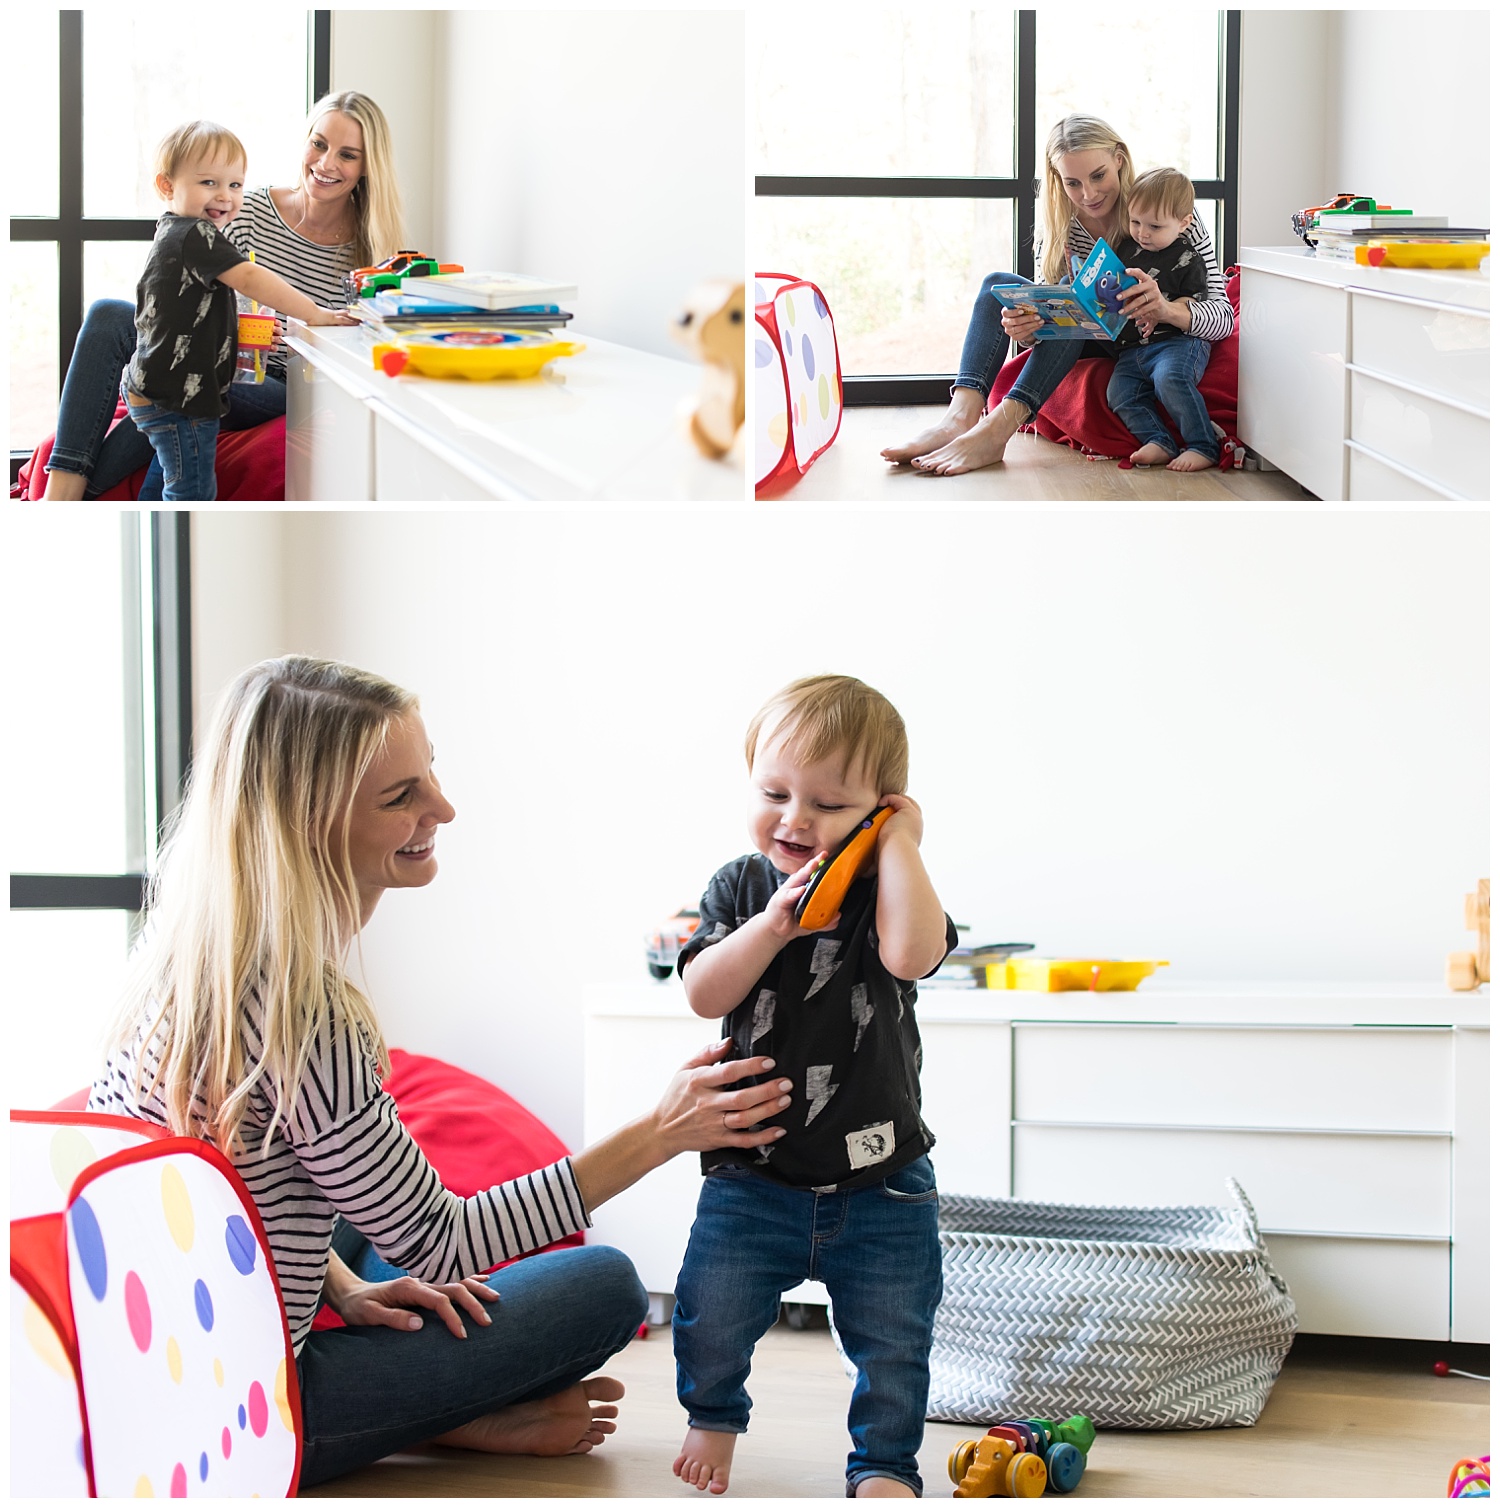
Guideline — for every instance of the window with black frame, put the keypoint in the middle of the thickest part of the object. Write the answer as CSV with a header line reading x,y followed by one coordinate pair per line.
x,y
889,156
101,679
98,91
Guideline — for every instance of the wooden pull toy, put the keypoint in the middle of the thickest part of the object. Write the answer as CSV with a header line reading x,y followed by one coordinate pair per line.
x,y
1467,971
712,326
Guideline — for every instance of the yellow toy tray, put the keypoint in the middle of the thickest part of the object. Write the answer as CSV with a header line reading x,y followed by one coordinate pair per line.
x,y
479,352
1422,253
1048,974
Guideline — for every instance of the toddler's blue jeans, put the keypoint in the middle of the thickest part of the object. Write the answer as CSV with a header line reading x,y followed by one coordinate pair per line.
x,y
875,1249
1165,372
185,449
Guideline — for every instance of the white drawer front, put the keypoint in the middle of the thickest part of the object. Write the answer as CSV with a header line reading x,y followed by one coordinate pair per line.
x,y
1372,481
1391,1288
329,440
972,1155
1446,444
1439,347
1398,1080
1377,1185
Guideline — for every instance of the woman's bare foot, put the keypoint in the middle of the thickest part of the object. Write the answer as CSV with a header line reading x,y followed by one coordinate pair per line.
x,y
883,1487
704,1459
568,1423
1189,460
1149,455
983,445
64,487
965,410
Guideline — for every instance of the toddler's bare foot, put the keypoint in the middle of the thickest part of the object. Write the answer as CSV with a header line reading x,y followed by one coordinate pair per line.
x,y
568,1423
1149,455
704,1460
965,410
983,445
1189,460
883,1487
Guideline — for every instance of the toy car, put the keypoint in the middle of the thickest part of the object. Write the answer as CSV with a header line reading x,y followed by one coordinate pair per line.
x,y
664,944
365,282
1303,220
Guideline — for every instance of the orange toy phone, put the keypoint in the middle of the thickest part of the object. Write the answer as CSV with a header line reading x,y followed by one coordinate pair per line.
x,y
832,878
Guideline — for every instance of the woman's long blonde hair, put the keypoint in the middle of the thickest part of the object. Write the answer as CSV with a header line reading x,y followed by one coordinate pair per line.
x,y
378,230
255,892
1076,133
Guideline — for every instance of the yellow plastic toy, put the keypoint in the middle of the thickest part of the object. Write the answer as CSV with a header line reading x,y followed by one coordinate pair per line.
x,y
994,1468
1052,974
479,352
1464,254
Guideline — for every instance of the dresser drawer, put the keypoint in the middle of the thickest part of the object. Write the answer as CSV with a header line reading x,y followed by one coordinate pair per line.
x,y
1353,1185
1374,480
1393,1288
1354,1079
1448,445
1436,346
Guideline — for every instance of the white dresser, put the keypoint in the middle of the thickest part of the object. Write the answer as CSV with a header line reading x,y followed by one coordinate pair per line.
x,y
1356,1118
600,425
1366,384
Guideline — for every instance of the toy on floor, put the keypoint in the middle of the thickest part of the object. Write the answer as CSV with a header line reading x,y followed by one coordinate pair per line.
x,y
1444,1370
712,326
1467,971
1470,1478
799,385
1022,1458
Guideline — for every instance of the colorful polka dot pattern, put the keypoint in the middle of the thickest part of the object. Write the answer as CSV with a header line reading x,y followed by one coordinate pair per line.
x,y
180,1332
46,1434
797,390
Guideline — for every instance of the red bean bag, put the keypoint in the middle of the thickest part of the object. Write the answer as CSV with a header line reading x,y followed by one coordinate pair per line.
x,y
1078,413
250,466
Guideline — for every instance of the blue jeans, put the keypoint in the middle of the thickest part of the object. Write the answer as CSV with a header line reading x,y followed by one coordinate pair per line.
x,y
368,1391
875,1249
86,446
1165,372
986,345
185,448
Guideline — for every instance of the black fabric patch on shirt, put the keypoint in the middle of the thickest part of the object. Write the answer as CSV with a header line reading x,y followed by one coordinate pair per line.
x,y
186,321
1179,272
840,1026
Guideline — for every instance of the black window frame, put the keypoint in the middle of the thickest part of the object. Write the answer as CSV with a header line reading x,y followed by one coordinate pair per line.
x,y
68,230
934,388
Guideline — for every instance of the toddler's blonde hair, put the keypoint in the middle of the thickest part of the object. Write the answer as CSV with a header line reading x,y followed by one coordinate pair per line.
x,y
1164,190
194,139
822,715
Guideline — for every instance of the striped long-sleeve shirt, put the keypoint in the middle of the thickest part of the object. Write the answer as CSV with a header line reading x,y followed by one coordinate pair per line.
x,y
340,1149
1211,318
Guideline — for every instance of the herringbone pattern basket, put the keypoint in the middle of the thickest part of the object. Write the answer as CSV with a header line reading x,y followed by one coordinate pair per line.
x,y
1139,1318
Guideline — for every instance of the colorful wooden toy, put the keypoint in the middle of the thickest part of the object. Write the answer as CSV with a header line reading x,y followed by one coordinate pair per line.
x,y
1022,1458
1467,971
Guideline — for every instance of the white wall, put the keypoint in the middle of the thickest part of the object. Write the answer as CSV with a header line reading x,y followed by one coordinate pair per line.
x,y
1254,745
1332,102
608,150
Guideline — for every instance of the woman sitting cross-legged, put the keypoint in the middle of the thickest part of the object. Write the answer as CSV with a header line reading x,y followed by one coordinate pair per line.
x,y
1085,196
313,795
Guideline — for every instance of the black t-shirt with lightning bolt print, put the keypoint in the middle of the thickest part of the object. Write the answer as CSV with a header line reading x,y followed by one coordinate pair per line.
x,y
840,1026
186,321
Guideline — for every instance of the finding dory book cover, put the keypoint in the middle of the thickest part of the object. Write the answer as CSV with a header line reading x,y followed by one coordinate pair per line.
x,y
1088,308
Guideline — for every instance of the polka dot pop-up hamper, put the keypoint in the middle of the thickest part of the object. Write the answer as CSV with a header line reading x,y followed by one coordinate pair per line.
x,y
799,388
149,1349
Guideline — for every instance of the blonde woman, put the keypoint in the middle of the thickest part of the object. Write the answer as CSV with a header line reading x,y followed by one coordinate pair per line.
x,y
314,794
1085,195
343,212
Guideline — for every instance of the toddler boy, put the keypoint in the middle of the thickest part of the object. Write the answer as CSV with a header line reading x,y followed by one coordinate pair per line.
x,y
176,385
1164,364
848,1195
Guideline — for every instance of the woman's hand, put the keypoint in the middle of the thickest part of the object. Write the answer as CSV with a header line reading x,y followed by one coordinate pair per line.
x,y
1019,325
393,1303
697,1114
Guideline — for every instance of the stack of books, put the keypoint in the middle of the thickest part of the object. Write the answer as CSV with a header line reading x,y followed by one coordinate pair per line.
x,y
1339,232
501,299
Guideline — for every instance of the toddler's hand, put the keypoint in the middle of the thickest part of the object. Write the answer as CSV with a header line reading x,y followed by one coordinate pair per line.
x,y
905,821
780,913
330,317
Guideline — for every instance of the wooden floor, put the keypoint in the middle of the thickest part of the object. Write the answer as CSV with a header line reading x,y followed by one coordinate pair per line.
x,y
1034,470
1346,1419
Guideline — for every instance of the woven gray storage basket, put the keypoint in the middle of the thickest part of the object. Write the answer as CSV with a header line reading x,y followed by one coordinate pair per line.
x,y
1139,1318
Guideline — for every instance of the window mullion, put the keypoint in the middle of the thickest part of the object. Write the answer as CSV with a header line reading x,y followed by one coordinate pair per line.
x,y
70,184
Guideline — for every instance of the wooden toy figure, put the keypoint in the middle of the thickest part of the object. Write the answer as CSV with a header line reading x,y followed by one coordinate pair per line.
x,y
1467,971
712,327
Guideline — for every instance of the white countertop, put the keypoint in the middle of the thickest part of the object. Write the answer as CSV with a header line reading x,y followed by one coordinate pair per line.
x,y
1469,290
599,425
1159,1001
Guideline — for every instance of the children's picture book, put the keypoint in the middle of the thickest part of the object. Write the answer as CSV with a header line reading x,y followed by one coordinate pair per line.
x,y
492,290
1088,308
399,308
